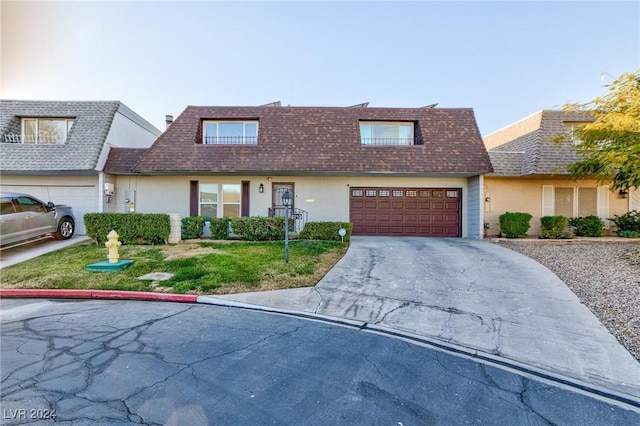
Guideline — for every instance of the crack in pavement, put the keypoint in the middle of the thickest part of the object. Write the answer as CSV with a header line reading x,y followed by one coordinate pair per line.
x,y
70,359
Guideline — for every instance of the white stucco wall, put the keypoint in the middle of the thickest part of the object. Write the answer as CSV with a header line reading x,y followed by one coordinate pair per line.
x,y
128,130
325,198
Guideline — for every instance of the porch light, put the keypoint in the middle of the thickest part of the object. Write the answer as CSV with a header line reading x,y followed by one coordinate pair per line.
x,y
622,193
286,202
261,188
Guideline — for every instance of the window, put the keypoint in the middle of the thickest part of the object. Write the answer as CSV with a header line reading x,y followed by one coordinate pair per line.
x,y
28,204
229,132
219,200
575,201
587,202
386,133
46,130
6,207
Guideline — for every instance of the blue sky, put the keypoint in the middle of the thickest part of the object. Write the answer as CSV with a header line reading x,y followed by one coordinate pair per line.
x,y
506,60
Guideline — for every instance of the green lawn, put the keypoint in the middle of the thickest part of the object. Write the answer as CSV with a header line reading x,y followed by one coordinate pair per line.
x,y
199,268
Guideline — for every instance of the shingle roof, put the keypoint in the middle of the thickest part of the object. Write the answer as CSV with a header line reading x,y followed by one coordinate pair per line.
x,y
527,148
80,153
317,140
123,160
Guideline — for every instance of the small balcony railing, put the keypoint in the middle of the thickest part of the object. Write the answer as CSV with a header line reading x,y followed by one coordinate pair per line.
x,y
299,217
230,140
42,138
387,141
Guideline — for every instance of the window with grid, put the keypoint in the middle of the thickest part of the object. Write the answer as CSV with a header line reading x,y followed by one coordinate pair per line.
x,y
46,130
219,200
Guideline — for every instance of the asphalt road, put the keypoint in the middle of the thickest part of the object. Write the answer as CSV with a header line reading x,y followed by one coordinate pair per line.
x,y
123,362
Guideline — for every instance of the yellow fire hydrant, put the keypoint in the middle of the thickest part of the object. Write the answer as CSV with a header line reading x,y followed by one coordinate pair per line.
x,y
113,244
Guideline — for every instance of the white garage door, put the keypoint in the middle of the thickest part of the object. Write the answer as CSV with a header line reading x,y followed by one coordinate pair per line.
x,y
82,198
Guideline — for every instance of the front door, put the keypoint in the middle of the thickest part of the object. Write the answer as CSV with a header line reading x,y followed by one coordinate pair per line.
x,y
277,189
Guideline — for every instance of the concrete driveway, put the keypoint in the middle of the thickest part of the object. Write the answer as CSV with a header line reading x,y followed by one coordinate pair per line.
x,y
12,255
469,293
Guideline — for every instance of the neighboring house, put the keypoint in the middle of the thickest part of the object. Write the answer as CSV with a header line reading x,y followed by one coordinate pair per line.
x,y
530,174
56,150
389,171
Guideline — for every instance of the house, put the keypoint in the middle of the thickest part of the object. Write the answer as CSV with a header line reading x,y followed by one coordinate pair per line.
x,y
56,150
389,171
530,174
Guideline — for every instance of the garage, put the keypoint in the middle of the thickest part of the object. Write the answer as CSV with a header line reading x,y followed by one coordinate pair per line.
x,y
419,212
82,198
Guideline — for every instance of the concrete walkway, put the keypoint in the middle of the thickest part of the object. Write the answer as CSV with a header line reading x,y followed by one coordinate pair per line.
x,y
469,293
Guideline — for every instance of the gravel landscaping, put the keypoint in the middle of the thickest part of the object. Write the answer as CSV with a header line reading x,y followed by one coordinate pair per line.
x,y
604,275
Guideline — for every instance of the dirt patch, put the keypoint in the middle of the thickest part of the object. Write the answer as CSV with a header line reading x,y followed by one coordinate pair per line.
x,y
183,251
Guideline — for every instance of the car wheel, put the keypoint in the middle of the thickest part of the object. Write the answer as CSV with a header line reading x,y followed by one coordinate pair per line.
x,y
65,229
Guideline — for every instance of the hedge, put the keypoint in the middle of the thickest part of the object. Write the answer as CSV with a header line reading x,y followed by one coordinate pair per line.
x,y
258,228
325,231
554,227
589,226
132,228
192,227
628,224
514,225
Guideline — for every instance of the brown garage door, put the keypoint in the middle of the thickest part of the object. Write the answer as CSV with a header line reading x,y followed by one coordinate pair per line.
x,y
423,212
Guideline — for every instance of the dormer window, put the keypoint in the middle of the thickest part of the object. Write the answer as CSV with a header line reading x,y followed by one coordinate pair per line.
x,y
571,128
229,132
386,133
45,130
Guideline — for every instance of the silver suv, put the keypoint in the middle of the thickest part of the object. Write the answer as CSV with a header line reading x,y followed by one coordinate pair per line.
x,y
24,217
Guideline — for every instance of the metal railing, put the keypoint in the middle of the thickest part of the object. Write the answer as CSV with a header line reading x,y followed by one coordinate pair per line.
x,y
387,141
298,216
230,140
42,138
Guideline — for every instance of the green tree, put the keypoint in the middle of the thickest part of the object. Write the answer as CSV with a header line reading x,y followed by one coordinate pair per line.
x,y
610,145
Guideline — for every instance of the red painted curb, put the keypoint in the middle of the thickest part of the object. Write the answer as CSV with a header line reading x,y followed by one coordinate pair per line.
x,y
96,294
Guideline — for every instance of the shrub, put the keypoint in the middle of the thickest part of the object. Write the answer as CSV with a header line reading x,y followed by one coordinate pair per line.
x,y
554,227
629,234
219,228
192,227
629,221
514,225
589,226
132,228
325,231
258,228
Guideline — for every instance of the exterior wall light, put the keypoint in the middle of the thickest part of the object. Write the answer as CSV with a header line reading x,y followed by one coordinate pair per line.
x,y
261,188
623,194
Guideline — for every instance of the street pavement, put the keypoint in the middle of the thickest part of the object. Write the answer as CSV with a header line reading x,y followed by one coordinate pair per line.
x,y
122,362
470,293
